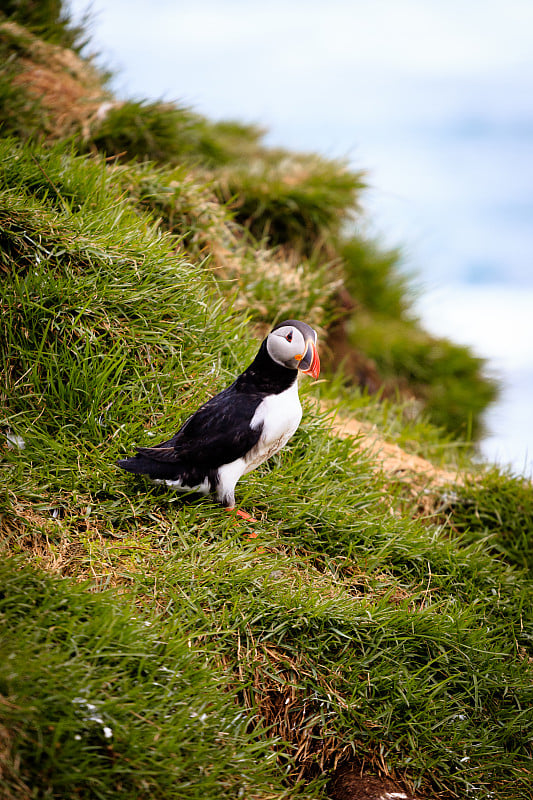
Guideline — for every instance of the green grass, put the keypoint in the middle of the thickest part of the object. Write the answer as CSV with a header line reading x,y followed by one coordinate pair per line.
x,y
450,381
372,632
374,276
300,201
82,293
268,283
497,508
398,420
168,133
48,19
156,131
103,700
354,630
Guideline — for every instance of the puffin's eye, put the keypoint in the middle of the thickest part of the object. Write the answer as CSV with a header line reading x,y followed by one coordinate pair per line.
x,y
289,336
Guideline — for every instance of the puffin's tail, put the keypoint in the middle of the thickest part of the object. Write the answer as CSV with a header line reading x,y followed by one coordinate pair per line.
x,y
141,465
136,465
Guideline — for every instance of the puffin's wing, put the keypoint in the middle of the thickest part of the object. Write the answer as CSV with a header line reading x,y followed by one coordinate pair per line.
x,y
218,433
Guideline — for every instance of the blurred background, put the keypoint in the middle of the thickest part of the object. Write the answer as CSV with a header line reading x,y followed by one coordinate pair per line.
x,y
433,99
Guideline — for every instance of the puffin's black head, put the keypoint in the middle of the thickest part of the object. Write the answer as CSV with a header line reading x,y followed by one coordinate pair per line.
x,y
293,344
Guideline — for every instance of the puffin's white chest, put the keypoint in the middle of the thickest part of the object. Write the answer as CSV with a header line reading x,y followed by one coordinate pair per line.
x,y
280,415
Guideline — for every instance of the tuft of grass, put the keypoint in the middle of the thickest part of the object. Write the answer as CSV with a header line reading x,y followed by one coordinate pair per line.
x,y
374,276
400,420
448,378
147,131
21,114
298,201
496,507
49,20
75,316
103,700
268,284
168,133
47,92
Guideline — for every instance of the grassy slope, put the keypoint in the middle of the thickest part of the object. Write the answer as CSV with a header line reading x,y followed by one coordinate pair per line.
x,y
350,629
148,647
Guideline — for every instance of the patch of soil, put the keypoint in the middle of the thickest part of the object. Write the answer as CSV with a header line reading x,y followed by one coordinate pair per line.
x,y
392,459
348,783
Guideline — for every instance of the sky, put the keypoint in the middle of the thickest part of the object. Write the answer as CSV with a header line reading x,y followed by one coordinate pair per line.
x,y
272,62
432,98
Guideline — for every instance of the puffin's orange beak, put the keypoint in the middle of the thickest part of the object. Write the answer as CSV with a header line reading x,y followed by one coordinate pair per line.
x,y
310,363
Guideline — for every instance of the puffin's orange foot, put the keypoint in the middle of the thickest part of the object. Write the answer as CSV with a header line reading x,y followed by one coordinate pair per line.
x,y
244,515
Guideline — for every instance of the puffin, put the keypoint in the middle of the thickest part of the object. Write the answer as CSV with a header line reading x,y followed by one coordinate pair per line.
x,y
242,426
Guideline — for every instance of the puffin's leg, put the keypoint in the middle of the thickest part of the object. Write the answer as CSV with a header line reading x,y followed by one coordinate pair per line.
x,y
226,493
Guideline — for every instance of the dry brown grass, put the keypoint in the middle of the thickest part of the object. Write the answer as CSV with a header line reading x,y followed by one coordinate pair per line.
x,y
68,88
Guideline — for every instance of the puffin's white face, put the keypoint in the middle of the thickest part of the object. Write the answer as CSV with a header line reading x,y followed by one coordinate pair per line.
x,y
288,346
